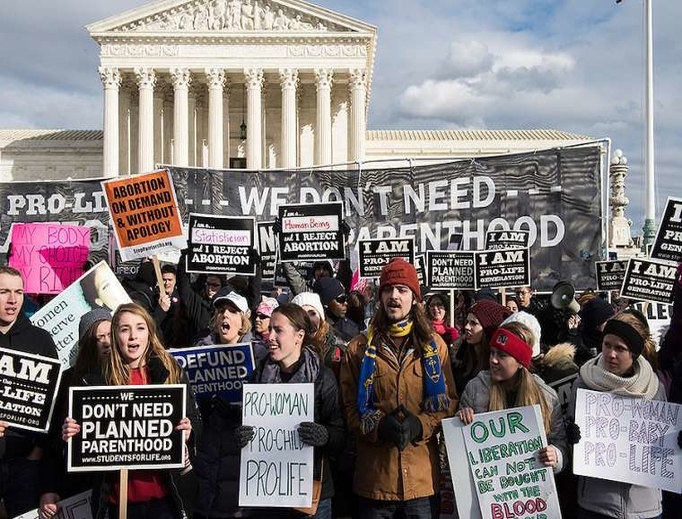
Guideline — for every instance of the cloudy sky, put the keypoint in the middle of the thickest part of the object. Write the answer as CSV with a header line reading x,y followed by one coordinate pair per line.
x,y
573,65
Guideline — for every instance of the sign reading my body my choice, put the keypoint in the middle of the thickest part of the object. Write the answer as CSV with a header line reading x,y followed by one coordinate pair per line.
x,y
129,427
311,232
276,467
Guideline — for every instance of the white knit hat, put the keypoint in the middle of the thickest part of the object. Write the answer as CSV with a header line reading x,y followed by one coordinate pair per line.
x,y
310,299
533,325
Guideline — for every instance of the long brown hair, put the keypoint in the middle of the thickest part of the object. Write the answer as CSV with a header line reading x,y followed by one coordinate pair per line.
x,y
528,391
639,323
116,371
87,359
422,329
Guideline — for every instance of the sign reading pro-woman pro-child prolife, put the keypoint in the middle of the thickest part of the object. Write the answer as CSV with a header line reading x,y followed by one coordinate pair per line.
x,y
276,466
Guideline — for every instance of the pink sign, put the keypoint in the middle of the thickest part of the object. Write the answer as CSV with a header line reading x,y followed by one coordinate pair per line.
x,y
50,257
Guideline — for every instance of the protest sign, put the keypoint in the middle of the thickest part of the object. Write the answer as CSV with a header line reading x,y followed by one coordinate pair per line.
x,y
502,268
221,245
610,274
311,232
144,214
74,507
420,267
450,269
97,288
563,388
276,467
49,256
28,387
668,242
649,280
217,370
512,239
127,427
373,255
505,478
658,317
267,247
632,440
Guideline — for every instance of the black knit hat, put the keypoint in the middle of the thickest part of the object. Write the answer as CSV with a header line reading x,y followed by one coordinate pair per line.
x,y
595,312
90,318
328,289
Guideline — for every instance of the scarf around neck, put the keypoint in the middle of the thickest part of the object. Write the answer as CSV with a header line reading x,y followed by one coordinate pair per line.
x,y
642,384
307,371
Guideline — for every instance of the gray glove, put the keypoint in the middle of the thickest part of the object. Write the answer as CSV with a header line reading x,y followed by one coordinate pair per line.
x,y
314,434
243,435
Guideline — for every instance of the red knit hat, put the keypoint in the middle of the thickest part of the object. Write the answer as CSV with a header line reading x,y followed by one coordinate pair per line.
x,y
400,272
490,314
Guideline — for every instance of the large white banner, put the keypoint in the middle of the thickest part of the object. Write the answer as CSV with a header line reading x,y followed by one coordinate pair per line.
x,y
632,440
276,467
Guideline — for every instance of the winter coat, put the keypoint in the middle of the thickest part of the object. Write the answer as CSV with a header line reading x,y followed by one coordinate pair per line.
x,y
558,369
477,396
382,472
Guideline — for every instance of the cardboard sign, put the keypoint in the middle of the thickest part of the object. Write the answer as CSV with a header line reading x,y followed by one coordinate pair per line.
x,y
610,274
221,245
49,256
127,427
28,387
649,280
375,254
496,240
276,467
219,370
74,507
502,268
311,232
505,478
267,246
632,440
668,242
449,269
97,288
144,214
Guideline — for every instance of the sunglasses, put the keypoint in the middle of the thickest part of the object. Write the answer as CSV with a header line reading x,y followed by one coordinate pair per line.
x,y
262,316
340,299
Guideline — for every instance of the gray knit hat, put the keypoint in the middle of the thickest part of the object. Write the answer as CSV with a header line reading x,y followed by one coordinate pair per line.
x,y
93,316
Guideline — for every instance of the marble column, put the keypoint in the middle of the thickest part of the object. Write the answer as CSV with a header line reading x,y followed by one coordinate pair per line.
x,y
216,82
288,81
358,92
254,134
111,80
146,78
323,127
181,80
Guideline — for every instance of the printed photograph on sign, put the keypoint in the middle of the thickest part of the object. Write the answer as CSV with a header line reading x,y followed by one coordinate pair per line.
x,y
649,280
374,254
668,242
311,231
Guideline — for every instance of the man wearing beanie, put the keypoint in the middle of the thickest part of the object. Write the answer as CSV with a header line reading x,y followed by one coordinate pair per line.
x,y
593,317
333,297
397,385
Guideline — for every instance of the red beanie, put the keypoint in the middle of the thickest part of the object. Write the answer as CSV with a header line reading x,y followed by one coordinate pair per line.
x,y
490,314
400,272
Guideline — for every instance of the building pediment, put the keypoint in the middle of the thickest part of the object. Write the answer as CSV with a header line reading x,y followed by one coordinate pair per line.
x,y
225,17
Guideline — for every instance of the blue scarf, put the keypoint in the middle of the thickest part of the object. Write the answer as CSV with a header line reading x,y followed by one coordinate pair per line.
x,y
434,383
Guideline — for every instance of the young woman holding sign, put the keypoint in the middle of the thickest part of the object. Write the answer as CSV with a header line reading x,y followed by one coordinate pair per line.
x,y
508,383
292,360
138,357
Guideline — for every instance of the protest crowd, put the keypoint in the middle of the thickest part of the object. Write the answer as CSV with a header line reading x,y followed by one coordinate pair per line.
x,y
393,370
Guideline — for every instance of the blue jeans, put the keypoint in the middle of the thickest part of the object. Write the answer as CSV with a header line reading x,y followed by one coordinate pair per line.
x,y
19,478
421,508
324,509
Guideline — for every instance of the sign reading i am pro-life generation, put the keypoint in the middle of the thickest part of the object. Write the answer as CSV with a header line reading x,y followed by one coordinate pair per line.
x,y
668,242
495,240
127,427
221,244
505,477
610,274
649,280
502,268
144,214
311,232
276,467
373,255
633,440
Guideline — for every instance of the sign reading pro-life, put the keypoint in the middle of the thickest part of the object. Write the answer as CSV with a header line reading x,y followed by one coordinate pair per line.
x,y
276,467
373,255
129,427
649,280
632,440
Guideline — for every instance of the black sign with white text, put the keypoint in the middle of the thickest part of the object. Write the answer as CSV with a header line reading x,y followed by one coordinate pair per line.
x,y
221,245
610,274
374,254
649,280
495,240
450,269
267,247
668,242
311,232
502,268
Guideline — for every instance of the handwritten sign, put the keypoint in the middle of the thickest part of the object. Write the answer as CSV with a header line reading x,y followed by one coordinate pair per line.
x,y
649,280
127,427
668,242
221,244
502,268
450,269
276,467
144,214
610,274
311,231
373,255
28,386
217,370
49,256
633,440
505,478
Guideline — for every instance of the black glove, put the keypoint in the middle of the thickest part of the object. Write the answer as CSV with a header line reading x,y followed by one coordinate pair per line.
x,y
344,228
277,226
243,435
389,429
410,429
314,434
572,432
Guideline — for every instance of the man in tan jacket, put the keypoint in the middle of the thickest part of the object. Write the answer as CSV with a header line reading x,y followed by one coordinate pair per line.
x,y
397,385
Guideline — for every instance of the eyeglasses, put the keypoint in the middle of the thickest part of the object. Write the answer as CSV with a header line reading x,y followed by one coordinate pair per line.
x,y
522,292
340,299
262,316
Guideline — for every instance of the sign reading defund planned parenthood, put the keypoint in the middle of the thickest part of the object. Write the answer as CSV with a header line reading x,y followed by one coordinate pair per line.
x,y
217,370
505,477
373,255
632,440
276,467
450,269
649,280
502,268
28,386
129,427
311,232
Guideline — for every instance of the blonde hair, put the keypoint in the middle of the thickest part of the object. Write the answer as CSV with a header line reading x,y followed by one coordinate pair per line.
x,y
217,319
116,371
528,391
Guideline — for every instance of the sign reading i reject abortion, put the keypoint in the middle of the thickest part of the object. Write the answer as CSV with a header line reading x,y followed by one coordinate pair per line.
x,y
276,467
